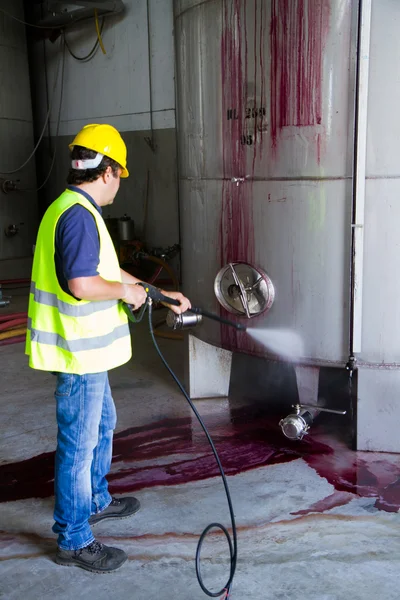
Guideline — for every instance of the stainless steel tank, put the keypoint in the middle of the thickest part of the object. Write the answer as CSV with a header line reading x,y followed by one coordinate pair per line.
x,y
265,109
18,210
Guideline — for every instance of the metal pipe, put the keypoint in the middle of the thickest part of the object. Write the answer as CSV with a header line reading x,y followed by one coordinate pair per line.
x,y
359,172
296,425
70,17
46,80
177,150
151,140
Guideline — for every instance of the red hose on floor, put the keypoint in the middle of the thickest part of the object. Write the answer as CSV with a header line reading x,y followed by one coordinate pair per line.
x,y
10,316
14,340
12,323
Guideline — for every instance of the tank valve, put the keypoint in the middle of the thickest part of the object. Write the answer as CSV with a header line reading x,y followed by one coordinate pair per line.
x,y
11,230
185,320
9,185
244,290
296,425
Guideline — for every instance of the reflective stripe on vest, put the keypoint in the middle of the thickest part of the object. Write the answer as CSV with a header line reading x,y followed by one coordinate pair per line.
x,y
65,308
94,343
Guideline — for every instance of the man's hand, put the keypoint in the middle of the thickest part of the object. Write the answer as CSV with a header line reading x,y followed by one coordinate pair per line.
x,y
185,302
134,295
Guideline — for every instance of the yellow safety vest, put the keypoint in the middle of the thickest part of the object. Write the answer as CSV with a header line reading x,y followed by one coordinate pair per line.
x,y
68,335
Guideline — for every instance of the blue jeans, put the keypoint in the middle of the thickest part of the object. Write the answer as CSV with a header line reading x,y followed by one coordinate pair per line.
x,y
86,418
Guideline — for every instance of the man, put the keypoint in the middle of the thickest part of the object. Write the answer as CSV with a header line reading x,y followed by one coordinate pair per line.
x,y
78,330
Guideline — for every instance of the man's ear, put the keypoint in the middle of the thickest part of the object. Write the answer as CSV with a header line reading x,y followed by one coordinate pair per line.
x,y
107,173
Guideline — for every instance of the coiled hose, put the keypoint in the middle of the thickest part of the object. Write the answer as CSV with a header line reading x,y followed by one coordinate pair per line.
x,y
13,328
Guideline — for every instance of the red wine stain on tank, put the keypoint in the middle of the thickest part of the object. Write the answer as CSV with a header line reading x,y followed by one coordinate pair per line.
x,y
297,35
174,451
298,31
237,228
241,140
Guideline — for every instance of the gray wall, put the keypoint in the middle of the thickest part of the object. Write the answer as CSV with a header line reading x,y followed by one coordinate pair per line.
x,y
115,88
162,205
16,144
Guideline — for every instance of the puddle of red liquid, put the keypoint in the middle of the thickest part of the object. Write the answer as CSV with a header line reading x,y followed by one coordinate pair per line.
x,y
174,451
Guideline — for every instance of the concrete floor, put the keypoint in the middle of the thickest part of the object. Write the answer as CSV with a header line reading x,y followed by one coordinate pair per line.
x,y
315,520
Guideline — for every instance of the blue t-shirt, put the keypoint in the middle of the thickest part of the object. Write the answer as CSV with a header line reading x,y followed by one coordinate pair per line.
x,y
77,243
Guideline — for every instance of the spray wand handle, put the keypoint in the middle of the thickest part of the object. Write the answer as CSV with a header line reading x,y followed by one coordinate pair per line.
x,y
156,295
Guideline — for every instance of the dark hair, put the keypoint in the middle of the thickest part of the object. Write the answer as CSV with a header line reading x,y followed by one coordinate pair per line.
x,y
77,176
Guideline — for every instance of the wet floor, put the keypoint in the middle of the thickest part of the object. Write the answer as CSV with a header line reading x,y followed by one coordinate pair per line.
x,y
315,519
248,440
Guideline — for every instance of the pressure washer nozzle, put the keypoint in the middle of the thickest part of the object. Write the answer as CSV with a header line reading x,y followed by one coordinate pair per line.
x,y
156,295
209,315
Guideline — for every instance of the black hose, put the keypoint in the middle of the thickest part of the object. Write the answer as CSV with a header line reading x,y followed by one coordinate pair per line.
x,y
226,590
92,51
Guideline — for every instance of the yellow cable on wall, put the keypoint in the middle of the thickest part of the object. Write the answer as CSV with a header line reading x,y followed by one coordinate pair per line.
x,y
96,18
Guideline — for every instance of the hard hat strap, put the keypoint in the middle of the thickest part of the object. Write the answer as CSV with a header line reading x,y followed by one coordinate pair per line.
x,y
88,163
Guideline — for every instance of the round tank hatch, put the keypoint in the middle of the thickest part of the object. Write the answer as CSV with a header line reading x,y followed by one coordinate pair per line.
x,y
244,290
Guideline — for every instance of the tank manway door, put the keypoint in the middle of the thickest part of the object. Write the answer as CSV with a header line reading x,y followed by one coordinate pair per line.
x,y
244,290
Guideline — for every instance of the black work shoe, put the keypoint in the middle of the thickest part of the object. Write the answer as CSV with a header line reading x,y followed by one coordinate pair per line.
x,y
120,508
96,557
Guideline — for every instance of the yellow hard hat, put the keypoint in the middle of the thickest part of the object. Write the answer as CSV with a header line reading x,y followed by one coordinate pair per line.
x,y
104,139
